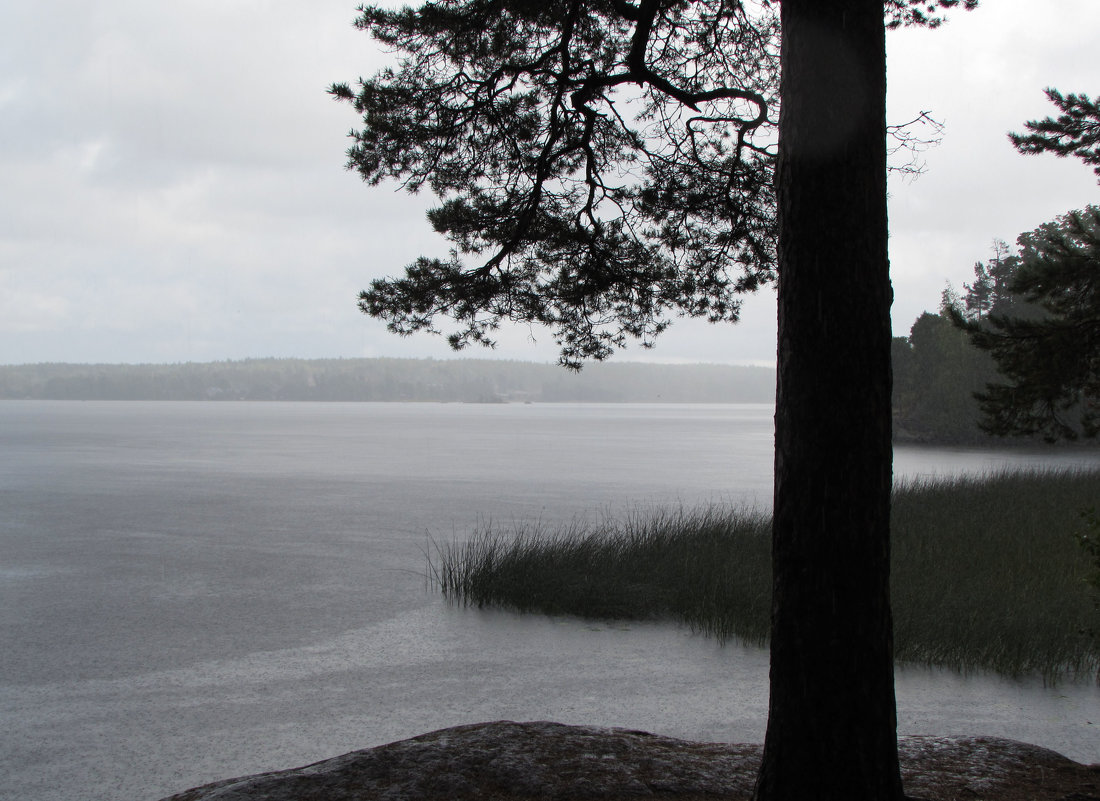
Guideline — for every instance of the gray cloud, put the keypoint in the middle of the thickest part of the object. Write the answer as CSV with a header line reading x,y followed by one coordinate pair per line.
x,y
174,185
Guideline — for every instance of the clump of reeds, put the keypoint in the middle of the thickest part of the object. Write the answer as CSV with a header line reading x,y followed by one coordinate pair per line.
x,y
691,565
987,572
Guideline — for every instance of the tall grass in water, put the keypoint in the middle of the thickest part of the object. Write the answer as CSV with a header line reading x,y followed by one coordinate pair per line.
x,y
987,572
692,565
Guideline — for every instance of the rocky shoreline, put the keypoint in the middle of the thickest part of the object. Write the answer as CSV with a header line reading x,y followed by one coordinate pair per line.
x,y
507,761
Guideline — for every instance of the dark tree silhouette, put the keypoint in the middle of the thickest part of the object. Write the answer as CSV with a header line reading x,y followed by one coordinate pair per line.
x,y
605,163
989,292
590,209
1075,132
1047,345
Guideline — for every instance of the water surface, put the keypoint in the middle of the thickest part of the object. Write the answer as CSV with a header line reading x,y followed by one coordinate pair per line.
x,y
192,591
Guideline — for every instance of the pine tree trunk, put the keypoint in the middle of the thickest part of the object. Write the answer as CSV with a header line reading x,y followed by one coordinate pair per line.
x,y
832,728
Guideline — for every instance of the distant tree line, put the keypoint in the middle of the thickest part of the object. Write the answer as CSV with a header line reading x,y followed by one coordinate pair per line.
x,y
381,379
1017,354
938,370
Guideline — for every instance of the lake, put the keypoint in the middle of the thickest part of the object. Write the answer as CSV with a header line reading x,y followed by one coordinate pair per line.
x,y
193,591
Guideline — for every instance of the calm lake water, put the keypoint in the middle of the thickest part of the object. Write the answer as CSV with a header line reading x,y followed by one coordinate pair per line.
x,y
195,591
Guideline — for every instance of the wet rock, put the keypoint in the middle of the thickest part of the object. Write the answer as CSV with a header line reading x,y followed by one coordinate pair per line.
x,y
506,761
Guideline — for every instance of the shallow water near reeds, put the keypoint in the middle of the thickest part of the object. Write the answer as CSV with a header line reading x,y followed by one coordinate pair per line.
x,y
195,591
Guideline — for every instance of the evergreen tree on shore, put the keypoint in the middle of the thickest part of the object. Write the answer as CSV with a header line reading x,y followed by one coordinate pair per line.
x,y
599,226
1048,349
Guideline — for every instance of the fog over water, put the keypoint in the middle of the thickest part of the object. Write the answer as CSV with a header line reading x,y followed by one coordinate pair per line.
x,y
192,591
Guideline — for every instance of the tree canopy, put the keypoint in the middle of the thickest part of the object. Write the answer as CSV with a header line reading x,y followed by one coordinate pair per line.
x,y
936,372
602,165
605,164
1047,346
597,172
990,291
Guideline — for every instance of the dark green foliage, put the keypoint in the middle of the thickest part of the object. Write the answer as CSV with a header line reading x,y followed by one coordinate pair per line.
x,y
1050,353
938,370
1048,349
990,291
1075,132
598,172
922,12
986,573
603,165
936,373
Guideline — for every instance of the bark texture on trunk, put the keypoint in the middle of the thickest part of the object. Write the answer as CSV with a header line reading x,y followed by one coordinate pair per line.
x,y
832,727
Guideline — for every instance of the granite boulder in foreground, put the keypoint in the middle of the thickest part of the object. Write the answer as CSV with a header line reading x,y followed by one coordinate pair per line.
x,y
506,761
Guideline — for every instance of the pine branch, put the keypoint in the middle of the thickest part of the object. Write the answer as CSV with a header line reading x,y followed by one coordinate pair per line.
x,y
1075,132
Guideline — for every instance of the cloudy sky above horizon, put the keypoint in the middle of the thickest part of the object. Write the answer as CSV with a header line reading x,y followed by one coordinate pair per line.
x,y
174,190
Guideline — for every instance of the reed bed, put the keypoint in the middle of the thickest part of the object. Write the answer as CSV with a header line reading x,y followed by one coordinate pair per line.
x,y
692,565
987,574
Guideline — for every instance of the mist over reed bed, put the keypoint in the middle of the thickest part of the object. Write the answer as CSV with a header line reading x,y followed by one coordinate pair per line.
x,y
988,573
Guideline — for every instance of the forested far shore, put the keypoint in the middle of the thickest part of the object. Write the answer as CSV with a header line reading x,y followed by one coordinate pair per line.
x,y
386,379
936,372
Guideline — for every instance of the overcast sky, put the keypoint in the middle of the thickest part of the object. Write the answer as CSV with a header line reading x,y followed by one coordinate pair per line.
x,y
173,184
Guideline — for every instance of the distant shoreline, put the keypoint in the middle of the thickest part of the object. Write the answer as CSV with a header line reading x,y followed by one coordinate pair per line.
x,y
385,379
481,381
